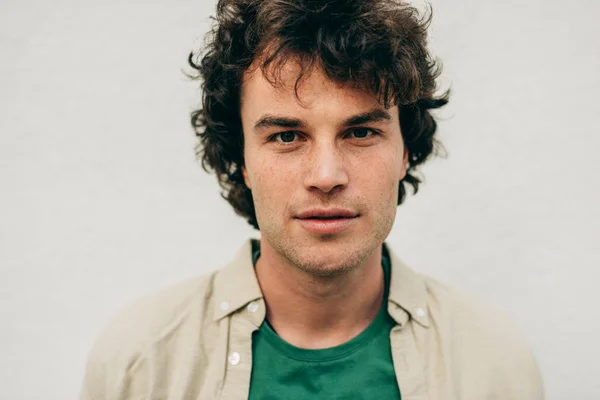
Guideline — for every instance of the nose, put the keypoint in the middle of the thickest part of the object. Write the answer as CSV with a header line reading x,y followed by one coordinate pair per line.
x,y
326,168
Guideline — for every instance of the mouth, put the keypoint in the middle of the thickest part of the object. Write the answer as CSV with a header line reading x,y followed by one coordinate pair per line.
x,y
326,222
327,213
327,218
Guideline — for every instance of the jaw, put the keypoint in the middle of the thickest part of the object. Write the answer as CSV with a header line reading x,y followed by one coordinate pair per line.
x,y
318,255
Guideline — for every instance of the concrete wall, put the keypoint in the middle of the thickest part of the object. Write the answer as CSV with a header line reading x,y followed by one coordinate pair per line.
x,y
102,201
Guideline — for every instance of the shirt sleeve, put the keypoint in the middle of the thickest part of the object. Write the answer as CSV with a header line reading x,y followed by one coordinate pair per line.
x,y
110,368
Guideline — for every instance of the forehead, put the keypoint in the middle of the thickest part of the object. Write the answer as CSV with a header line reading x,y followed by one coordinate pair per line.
x,y
282,89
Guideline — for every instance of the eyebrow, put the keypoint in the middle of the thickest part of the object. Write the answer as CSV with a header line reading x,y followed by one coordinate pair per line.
x,y
270,121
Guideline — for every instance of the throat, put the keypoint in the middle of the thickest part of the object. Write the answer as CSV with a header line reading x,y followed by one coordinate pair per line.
x,y
319,312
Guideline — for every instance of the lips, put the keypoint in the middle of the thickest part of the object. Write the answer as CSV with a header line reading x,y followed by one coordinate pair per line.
x,y
324,213
326,221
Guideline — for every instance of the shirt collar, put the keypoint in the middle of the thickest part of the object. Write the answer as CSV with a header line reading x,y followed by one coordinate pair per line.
x,y
407,292
236,286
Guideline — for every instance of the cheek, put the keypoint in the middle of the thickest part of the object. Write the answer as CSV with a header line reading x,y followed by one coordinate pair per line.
x,y
382,167
272,175
379,179
274,183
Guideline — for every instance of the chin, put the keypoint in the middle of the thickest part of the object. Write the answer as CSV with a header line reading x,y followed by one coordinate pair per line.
x,y
336,261
323,270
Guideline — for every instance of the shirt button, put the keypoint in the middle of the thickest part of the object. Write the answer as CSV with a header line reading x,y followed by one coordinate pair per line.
x,y
253,307
234,358
224,306
420,312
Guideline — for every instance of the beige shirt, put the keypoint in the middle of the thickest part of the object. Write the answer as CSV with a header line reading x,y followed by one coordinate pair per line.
x,y
193,341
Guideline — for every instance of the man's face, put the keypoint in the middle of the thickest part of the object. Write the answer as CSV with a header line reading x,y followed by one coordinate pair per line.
x,y
323,167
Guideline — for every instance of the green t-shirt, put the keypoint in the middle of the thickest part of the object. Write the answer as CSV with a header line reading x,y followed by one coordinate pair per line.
x,y
361,368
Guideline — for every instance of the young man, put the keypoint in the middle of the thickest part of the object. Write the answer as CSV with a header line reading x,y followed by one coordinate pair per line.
x,y
315,115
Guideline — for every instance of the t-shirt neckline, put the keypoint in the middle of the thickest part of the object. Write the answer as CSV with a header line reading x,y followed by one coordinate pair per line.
x,y
336,352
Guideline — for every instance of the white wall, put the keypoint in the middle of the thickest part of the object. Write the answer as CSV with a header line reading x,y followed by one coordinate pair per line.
x,y
103,202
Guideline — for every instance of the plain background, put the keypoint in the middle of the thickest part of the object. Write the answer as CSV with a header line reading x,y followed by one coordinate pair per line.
x,y
102,200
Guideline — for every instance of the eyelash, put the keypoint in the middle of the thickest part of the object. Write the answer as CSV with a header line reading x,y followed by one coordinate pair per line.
x,y
273,138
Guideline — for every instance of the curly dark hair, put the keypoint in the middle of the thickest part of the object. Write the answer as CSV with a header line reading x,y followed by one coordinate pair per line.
x,y
376,45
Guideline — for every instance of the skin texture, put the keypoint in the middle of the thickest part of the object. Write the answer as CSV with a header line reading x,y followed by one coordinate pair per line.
x,y
310,281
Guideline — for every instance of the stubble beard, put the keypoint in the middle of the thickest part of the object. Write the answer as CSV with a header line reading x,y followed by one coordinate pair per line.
x,y
300,254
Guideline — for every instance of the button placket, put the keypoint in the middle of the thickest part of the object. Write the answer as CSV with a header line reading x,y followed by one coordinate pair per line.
x,y
234,358
253,307
239,358
408,365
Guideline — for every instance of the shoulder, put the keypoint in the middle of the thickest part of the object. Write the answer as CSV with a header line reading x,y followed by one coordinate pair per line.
x,y
145,325
177,326
460,310
486,341
152,316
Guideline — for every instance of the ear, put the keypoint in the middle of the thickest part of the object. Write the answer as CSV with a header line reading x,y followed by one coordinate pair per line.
x,y
404,164
246,180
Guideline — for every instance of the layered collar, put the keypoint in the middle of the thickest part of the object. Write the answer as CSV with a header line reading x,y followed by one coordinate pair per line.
x,y
236,286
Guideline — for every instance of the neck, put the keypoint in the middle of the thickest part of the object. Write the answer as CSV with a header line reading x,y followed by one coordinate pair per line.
x,y
315,312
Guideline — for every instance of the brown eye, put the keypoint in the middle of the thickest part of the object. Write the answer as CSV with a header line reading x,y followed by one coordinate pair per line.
x,y
287,137
361,133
